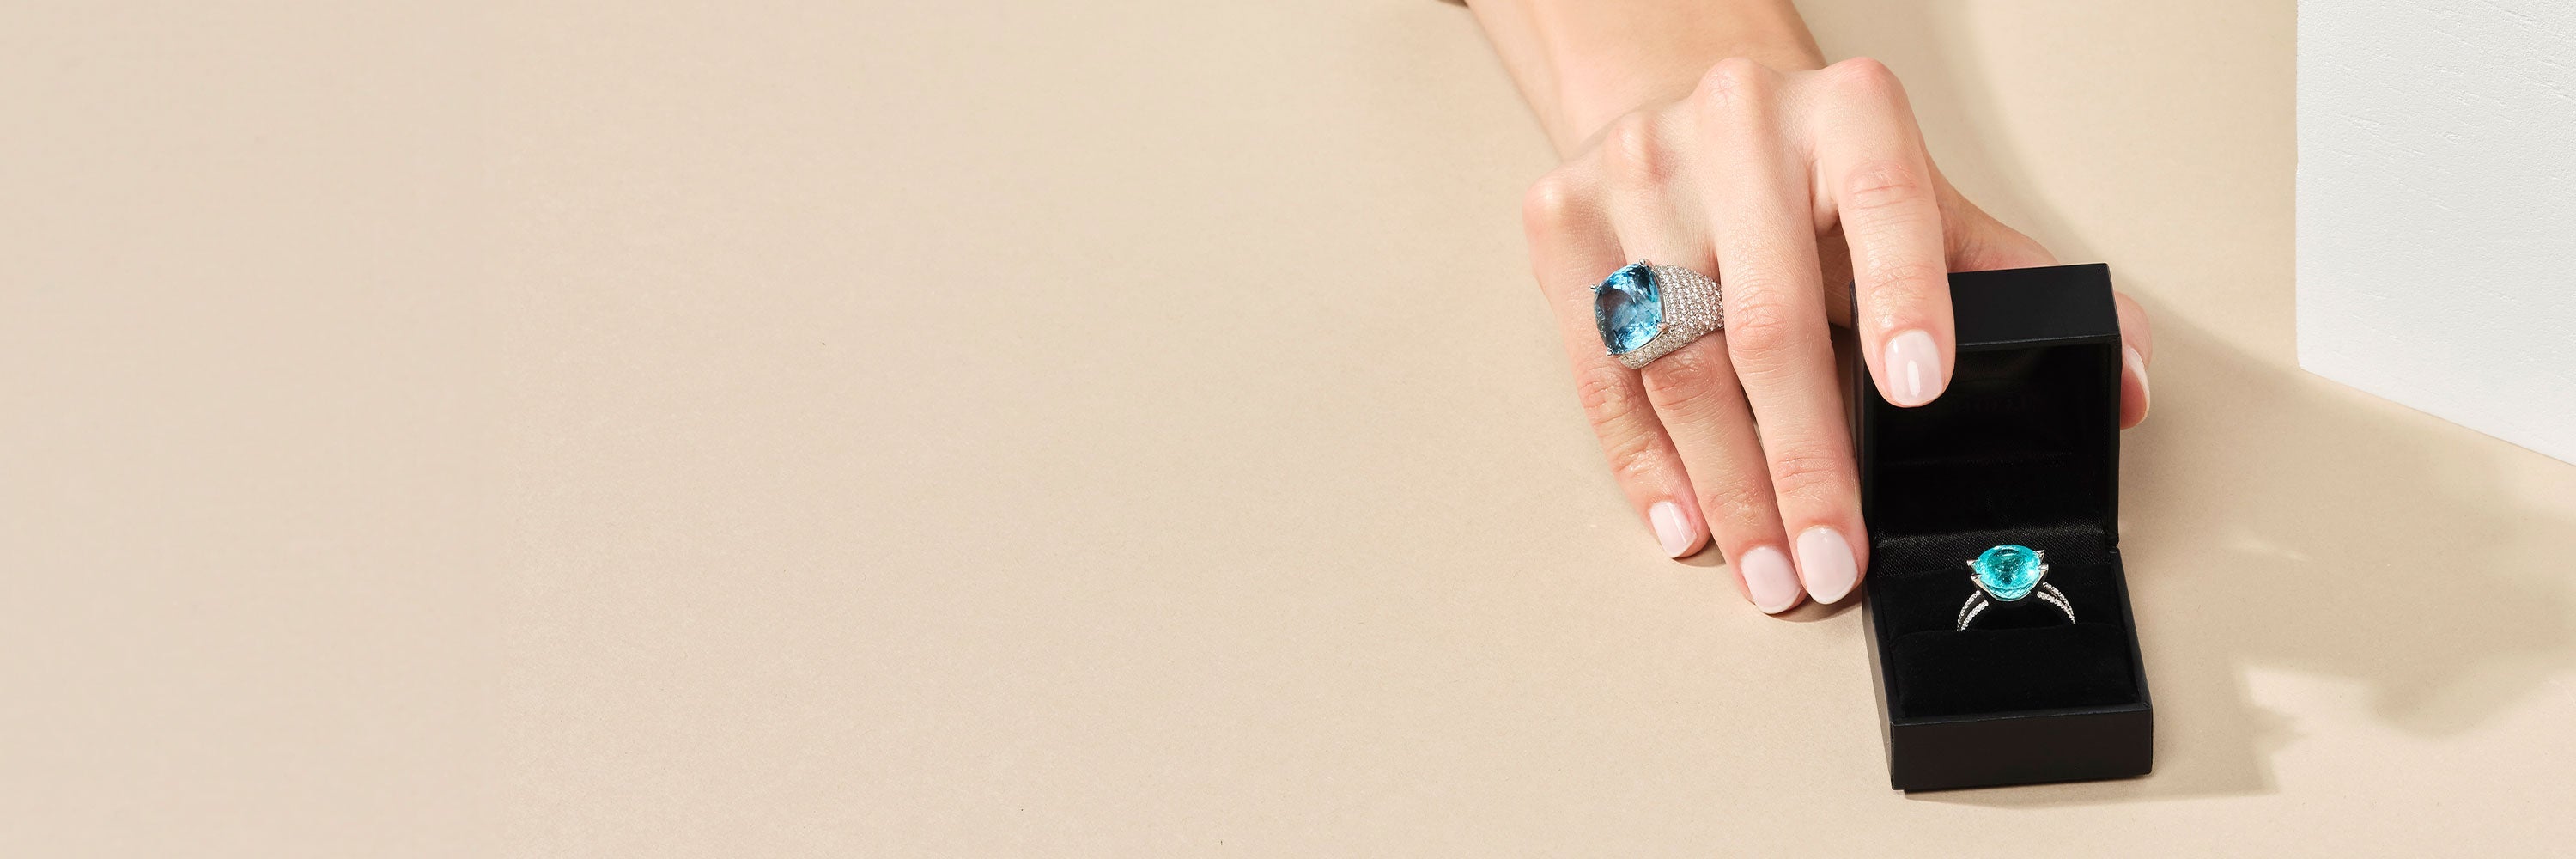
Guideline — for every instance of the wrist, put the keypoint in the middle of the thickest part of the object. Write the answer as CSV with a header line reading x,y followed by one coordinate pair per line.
x,y
1590,95
1582,63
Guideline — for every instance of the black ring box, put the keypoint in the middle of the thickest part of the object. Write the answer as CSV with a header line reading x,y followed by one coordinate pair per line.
x,y
2023,447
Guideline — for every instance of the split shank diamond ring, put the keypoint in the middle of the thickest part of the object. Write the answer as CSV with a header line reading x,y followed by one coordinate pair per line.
x,y
2009,573
1646,311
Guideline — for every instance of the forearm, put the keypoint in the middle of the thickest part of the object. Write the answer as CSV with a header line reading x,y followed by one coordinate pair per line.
x,y
1581,63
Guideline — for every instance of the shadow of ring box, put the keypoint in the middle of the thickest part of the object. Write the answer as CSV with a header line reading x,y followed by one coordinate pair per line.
x,y
2024,447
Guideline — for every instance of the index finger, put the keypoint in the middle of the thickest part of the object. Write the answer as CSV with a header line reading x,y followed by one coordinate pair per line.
x,y
1879,184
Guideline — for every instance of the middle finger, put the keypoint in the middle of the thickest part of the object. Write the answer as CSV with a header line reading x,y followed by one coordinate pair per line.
x,y
1761,213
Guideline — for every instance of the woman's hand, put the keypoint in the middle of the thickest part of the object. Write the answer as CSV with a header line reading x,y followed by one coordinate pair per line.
x,y
1762,177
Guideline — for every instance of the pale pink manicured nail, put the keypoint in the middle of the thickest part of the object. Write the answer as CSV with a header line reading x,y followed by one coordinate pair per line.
x,y
1826,561
1672,528
1769,579
1913,366
2138,367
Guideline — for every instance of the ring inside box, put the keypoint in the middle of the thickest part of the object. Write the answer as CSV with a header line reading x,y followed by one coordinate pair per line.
x,y
2022,448
2008,443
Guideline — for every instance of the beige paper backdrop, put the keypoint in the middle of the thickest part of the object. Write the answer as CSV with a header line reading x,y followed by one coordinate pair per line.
x,y
772,429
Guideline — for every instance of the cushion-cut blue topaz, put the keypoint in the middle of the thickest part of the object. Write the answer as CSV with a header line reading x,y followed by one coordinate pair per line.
x,y
1629,308
2008,572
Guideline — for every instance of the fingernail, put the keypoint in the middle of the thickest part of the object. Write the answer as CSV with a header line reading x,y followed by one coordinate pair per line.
x,y
1913,367
1826,561
2138,367
1769,578
1672,528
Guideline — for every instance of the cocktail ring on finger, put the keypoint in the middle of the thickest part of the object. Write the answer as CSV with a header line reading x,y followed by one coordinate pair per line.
x,y
1646,311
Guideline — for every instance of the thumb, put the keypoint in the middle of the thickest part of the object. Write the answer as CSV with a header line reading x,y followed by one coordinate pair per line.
x,y
1978,242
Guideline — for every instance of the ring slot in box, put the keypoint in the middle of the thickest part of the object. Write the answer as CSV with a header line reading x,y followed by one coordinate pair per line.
x,y
2022,448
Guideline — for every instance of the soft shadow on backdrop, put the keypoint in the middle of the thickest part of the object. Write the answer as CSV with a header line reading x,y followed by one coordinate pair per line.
x,y
778,428
2315,530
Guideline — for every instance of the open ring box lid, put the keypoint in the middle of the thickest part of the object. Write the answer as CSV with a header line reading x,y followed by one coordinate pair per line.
x,y
2023,447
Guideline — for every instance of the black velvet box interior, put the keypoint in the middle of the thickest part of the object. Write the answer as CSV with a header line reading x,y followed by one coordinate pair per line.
x,y
2022,448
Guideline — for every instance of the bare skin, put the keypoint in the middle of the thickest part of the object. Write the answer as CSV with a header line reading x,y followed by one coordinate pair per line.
x,y
1713,135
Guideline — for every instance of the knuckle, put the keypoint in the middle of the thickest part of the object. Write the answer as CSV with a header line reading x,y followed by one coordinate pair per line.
x,y
1904,282
1759,329
1633,152
1631,455
1884,189
1737,83
1553,204
1609,398
1812,476
1744,503
1684,376
1864,77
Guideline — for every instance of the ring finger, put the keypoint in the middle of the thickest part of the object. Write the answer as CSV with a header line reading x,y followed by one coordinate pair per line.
x,y
1694,390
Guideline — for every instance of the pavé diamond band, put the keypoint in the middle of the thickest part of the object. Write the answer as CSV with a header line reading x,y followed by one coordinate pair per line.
x,y
1645,311
2009,573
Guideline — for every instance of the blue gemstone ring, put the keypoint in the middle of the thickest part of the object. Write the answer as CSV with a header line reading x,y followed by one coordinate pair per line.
x,y
2009,573
1645,311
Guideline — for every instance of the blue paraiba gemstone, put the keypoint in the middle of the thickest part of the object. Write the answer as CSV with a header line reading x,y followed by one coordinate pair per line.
x,y
2008,572
1629,307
